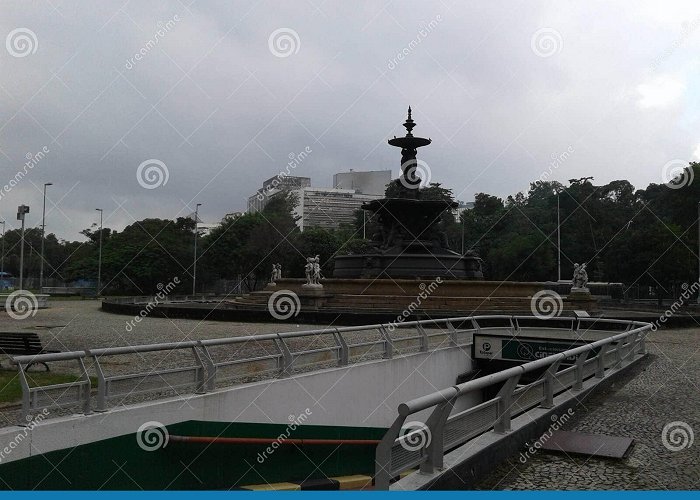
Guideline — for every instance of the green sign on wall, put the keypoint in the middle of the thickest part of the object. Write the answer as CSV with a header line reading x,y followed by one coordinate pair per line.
x,y
522,348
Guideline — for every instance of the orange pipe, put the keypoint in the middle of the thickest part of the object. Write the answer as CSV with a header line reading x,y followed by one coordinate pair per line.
x,y
232,440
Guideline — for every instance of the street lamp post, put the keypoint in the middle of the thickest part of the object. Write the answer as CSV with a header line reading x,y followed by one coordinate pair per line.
x,y
2,257
558,239
43,229
99,258
196,232
22,210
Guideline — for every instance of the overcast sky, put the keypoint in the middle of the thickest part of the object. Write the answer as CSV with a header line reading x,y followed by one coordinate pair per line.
x,y
212,97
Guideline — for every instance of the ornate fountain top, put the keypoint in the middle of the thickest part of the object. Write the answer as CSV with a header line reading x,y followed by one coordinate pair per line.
x,y
409,123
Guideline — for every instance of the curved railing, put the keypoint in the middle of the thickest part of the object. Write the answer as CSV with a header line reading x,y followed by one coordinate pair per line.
x,y
424,445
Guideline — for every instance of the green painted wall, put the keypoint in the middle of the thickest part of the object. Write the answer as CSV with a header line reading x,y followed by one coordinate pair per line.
x,y
119,463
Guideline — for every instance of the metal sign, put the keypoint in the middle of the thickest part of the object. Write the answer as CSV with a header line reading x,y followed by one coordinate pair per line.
x,y
21,210
511,348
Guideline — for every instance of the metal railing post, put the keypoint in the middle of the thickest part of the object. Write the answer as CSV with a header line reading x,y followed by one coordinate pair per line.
x,y
435,424
625,354
451,333
549,379
642,343
287,358
382,456
26,395
210,379
200,374
423,338
86,390
344,351
600,361
388,344
580,361
505,402
101,384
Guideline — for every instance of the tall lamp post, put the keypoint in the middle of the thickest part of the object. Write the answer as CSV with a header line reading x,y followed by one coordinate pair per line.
x,y
196,232
2,257
43,232
22,210
99,258
558,239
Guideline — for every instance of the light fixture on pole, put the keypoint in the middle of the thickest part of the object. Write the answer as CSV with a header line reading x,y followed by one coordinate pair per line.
x,y
22,210
99,258
196,232
43,232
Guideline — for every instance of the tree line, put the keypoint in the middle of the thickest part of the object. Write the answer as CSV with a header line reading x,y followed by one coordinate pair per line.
x,y
645,238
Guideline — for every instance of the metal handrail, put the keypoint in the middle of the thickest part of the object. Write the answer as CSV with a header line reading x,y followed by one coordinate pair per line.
x,y
430,452
202,374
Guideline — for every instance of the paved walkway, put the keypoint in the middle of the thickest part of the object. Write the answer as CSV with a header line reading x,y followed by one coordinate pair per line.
x,y
665,390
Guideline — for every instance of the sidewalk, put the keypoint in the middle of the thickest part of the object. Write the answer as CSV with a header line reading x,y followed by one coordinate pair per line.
x,y
665,389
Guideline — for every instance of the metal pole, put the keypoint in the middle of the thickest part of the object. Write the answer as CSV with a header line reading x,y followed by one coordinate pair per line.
x,y
194,264
43,229
558,240
21,258
2,258
99,258
462,216
699,248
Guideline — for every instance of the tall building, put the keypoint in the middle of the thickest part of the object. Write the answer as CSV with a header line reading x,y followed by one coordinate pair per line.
x,y
328,208
371,182
273,186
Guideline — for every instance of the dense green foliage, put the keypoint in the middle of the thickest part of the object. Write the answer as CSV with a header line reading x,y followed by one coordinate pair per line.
x,y
637,237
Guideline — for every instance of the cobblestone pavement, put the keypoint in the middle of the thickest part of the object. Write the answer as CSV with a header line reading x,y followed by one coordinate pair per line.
x,y
665,390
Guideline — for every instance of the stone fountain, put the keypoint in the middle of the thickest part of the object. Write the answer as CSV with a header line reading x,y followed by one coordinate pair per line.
x,y
410,242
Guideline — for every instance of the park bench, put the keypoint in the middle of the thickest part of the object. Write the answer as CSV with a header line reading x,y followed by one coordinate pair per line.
x,y
21,344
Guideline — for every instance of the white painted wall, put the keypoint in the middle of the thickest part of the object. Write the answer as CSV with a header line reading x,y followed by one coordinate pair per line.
x,y
361,395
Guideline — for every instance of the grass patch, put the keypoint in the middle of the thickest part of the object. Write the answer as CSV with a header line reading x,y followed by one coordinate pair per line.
x,y
11,390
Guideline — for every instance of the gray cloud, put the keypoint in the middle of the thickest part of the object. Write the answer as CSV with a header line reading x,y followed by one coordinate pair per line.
x,y
212,102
